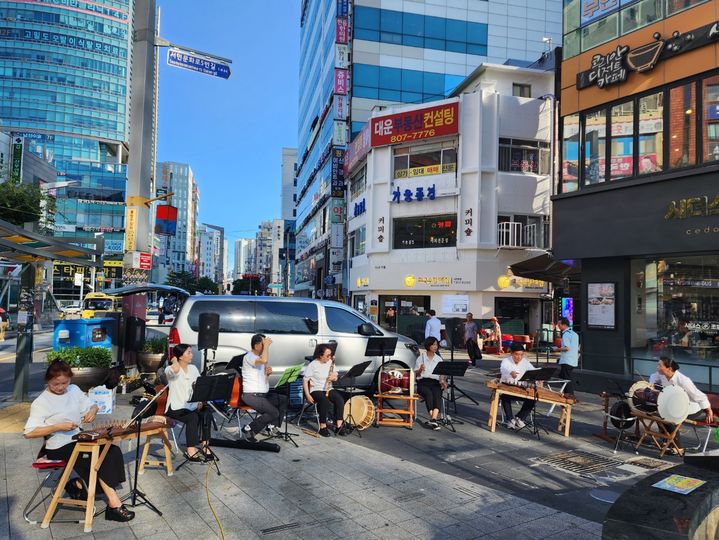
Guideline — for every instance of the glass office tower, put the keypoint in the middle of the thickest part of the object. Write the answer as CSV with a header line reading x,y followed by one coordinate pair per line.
x,y
64,88
355,56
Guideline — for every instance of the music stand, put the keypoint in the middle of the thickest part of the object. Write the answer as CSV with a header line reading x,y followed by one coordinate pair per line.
x,y
451,370
531,377
354,371
207,389
135,492
380,346
289,376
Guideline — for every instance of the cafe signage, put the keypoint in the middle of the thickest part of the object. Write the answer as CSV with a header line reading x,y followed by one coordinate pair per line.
x,y
615,67
693,207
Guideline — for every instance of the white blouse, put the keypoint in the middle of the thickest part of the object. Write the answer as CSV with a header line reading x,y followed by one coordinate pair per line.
x,y
49,409
429,365
180,384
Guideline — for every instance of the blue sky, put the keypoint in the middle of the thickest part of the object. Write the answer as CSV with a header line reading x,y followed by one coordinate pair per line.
x,y
231,132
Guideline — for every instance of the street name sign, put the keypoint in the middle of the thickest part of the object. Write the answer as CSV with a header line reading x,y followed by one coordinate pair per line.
x,y
195,62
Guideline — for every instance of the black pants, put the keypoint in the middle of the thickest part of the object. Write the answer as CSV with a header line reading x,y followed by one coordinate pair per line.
x,y
473,350
323,404
527,406
112,469
198,424
271,406
431,392
565,372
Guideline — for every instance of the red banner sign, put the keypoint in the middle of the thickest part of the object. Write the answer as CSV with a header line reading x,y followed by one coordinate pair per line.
x,y
357,149
145,261
416,125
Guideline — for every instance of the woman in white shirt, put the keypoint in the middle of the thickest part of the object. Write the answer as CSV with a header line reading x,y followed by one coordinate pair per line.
x,y
56,415
668,374
430,386
316,375
181,376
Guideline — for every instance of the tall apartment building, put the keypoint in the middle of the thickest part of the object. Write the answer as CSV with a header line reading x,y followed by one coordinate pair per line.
x,y
220,262
177,253
289,157
263,252
209,248
369,54
244,257
65,92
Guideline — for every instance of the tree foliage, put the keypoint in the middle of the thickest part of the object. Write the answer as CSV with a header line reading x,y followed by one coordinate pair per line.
x,y
20,202
250,285
187,281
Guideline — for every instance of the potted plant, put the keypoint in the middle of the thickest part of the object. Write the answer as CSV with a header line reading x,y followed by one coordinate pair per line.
x,y
90,365
152,354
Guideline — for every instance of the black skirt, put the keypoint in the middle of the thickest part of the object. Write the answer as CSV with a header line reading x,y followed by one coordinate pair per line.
x,y
112,470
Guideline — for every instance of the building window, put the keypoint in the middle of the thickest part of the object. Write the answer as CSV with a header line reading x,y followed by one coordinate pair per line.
x,y
410,162
571,44
522,90
651,133
675,6
621,162
357,241
600,32
425,232
517,155
595,127
358,182
641,14
570,153
522,231
711,119
682,126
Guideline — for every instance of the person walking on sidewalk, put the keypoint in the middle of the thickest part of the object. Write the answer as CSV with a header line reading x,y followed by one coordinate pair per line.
x,y
433,328
472,339
429,385
270,406
568,355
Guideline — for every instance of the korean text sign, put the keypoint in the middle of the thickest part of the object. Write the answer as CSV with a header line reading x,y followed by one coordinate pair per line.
x,y
415,125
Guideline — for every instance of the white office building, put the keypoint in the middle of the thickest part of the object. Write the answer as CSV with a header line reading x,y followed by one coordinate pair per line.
x,y
444,197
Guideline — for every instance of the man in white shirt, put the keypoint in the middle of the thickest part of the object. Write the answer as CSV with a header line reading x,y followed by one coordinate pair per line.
x,y
271,406
511,371
568,355
668,374
433,326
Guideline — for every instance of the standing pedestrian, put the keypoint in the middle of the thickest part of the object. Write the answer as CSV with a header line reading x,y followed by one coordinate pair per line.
x,y
495,335
568,355
471,340
4,319
391,318
433,327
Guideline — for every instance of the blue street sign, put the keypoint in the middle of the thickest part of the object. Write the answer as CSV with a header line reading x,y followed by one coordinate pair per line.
x,y
193,62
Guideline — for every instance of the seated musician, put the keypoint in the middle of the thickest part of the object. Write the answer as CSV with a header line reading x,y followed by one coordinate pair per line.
x,y
668,374
256,393
314,384
181,377
56,414
430,386
512,369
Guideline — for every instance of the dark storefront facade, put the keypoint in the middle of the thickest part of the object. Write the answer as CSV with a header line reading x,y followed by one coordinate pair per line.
x,y
638,196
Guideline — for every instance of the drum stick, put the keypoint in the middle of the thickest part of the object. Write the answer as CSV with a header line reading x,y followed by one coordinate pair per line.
x,y
310,432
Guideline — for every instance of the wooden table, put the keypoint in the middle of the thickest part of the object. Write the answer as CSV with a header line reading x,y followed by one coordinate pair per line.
x,y
657,429
408,412
543,395
98,451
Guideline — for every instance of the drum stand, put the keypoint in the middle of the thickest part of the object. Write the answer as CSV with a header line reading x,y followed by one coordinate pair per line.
x,y
354,372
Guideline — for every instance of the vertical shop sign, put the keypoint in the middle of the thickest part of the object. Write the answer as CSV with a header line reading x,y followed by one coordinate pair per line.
x,y
131,229
338,174
380,230
342,8
339,135
342,56
468,222
340,107
340,81
341,30
18,144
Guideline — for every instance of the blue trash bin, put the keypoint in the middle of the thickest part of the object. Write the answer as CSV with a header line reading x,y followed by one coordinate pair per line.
x,y
83,333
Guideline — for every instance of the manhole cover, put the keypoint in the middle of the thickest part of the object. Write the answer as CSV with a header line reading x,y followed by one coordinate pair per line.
x,y
579,462
649,463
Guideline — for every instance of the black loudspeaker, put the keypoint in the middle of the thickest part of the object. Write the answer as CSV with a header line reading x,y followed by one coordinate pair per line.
x,y
209,332
134,334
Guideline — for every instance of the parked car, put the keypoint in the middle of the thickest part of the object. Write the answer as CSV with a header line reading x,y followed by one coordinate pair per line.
x,y
296,326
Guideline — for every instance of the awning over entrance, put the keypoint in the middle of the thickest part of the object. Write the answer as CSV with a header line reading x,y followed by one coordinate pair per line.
x,y
547,268
21,246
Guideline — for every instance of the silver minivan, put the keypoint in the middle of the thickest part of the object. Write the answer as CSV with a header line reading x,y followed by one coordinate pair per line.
x,y
296,326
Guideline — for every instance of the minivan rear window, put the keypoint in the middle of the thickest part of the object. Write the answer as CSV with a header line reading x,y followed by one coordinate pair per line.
x,y
235,317
285,318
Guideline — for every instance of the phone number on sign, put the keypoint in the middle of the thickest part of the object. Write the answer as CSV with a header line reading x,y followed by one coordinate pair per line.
x,y
412,136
